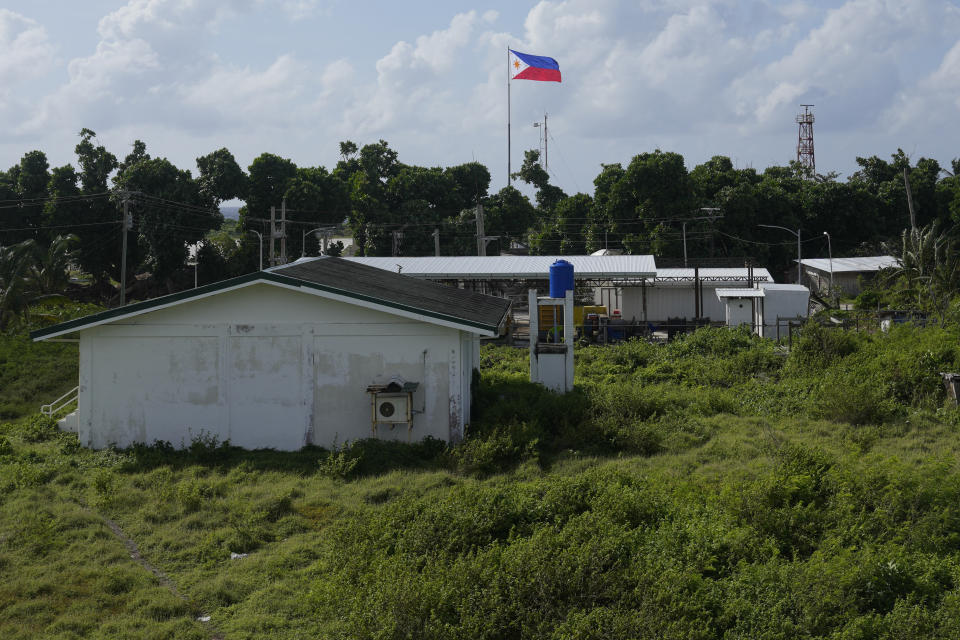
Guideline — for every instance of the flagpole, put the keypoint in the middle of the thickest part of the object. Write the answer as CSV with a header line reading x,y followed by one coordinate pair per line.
x,y
509,180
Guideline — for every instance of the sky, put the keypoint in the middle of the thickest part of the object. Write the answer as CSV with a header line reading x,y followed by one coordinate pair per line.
x,y
296,77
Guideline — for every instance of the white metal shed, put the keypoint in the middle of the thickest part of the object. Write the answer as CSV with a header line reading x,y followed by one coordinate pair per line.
x,y
847,272
768,308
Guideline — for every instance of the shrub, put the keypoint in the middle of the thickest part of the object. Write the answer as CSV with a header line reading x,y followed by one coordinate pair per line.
x,y
819,347
496,451
38,428
6,449
206,448
192,494
340,463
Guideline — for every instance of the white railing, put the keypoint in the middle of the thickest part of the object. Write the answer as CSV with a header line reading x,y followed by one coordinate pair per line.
x,y
66,399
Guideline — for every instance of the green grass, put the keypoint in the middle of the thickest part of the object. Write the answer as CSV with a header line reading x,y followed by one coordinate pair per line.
x,y
33,374
712,488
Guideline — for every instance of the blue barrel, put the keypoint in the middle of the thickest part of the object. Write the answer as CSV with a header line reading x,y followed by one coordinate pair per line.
x,y
561,278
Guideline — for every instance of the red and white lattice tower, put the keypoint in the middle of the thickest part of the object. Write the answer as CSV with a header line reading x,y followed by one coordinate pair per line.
x,y
805,141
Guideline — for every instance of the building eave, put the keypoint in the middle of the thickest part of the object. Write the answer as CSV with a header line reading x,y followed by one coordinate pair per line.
x,y
274,279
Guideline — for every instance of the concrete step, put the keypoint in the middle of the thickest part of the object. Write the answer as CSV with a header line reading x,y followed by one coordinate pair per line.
x,y
69,422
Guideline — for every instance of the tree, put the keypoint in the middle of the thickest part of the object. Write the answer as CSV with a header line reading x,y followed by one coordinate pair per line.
x,y
64,207
314,199
948,194
29,181
269,177
930,265
14,284
652,191
534,174
49,269
98,250
471,182
565,232
221,178
507,213
170,211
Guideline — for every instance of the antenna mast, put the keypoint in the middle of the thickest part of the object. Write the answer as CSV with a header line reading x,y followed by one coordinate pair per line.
x,y
805,141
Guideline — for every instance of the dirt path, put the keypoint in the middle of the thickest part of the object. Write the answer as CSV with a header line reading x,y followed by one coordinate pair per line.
x,y
162,578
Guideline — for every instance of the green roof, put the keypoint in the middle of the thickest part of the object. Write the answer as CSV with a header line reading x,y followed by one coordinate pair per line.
x,y
339,277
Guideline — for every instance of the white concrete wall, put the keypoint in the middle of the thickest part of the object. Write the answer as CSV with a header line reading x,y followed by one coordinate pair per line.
x,y
671,302
266,367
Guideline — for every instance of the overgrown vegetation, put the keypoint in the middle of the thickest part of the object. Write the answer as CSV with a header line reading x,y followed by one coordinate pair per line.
x,y
715,487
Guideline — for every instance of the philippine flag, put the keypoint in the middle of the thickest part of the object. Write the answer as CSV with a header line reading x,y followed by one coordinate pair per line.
x,y
528,67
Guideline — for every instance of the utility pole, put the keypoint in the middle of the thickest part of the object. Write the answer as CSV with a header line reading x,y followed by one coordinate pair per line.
x,y
684,244
397,240
273,233
481,243
796,233
830,254
542,145
482,238
283,231
436,242
906,183
260,252
127,225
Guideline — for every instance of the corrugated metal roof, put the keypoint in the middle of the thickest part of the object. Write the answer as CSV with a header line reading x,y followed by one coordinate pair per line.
x,y
718,274
783,287
846,265
519,267
740,293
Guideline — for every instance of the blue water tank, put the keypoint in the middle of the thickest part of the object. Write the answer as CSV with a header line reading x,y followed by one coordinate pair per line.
x,y
561,278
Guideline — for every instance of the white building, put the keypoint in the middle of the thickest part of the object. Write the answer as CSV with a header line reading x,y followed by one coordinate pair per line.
x,y
631,283
281,359
847,273
681,293
502,273
768,308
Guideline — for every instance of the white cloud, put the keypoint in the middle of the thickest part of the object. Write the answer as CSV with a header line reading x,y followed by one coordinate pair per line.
x,y
933,101
239,96
412,82
25,48
854,57
697,76
148,67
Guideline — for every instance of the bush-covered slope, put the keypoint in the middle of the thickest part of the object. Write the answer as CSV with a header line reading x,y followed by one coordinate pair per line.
x,y
712,488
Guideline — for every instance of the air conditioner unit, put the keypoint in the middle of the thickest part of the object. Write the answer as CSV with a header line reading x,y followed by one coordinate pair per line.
x,y
393,408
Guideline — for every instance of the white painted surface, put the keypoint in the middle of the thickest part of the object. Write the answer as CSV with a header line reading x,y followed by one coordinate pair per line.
x,y
266,367
670,302
864,264
552,370
787,301
513,267
738,311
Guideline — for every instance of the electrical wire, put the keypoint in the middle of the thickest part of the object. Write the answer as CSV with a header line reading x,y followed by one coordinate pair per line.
x,y
45,199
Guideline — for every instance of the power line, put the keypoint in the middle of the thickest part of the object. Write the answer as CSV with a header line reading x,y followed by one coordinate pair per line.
x,y
45,199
